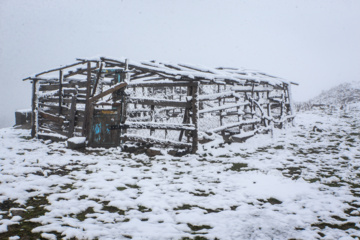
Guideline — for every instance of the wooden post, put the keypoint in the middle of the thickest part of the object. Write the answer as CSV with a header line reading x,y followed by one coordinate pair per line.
x,y
186,118
60,91
98,76
72,116
152,118
86,124
34,115
195,116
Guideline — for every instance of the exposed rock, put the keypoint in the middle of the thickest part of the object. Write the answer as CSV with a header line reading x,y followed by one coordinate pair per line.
x,y
76,142
17,212
151,152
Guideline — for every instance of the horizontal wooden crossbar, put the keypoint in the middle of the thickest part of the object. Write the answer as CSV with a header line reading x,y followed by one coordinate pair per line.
x,y
153,125
237,124
159,102
108,91
137,138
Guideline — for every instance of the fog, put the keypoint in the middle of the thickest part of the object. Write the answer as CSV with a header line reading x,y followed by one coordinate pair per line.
x,y
313,43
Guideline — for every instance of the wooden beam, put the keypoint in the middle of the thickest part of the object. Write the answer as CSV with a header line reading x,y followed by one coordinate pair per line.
x,y
223,107
149,140
60,89
195,117
34,116
86,123
158,102
97,79
154,125
51,117
57,69
72,116
231,125
161,84
252,89
108,91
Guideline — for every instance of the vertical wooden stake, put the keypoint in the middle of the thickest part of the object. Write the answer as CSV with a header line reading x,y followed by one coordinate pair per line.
x,y
195,116
60,91
72,116
34,115
86,124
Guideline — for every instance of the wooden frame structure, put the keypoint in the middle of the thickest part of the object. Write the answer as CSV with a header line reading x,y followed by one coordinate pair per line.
x,y
112,101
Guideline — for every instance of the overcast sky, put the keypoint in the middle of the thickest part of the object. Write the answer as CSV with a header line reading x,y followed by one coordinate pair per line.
x,y
313,42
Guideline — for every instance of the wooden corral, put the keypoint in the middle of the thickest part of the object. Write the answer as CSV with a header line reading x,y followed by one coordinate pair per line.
x,y
113,101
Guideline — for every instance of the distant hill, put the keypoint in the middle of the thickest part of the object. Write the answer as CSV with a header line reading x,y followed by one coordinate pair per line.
x,y
342,94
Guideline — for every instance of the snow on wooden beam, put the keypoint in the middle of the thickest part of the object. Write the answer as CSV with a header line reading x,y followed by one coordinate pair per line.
x,y
151,140
236,124
215,96
51,117
250,89
159,102
215,109
154,125
109,91
163,83
60,68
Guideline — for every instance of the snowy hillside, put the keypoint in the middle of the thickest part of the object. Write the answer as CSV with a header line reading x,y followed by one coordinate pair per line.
x,y
302,184
344,93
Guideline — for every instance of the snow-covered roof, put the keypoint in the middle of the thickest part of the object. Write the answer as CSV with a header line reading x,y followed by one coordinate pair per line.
x,y
197,72
180,71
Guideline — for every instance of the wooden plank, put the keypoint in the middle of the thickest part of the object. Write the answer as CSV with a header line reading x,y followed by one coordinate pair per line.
x,y
108,91
60,90
34,115
216,96
195,117
159,102
154,125
80,71
161,84
56,100
149,140
53,109
86,124
223,107
50,87
251,89
57,69
51,117
97,79
236,124
72,116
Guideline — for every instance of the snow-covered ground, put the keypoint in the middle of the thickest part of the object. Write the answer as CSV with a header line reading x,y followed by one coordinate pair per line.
x,y
304,183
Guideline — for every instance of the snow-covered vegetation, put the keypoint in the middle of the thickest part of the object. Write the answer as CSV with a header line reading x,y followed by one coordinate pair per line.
x,y
338,96
304,183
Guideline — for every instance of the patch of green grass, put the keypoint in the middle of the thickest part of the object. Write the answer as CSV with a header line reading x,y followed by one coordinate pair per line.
x,y
238,167
67,186
339,218
201,193
121,188
198,227
344,226
196,238
272,201
144,209
82,215
184,207
132,186
35,207
279,147
312,180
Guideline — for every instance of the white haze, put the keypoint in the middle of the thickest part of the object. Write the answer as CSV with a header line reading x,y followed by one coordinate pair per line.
x,y
314,43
